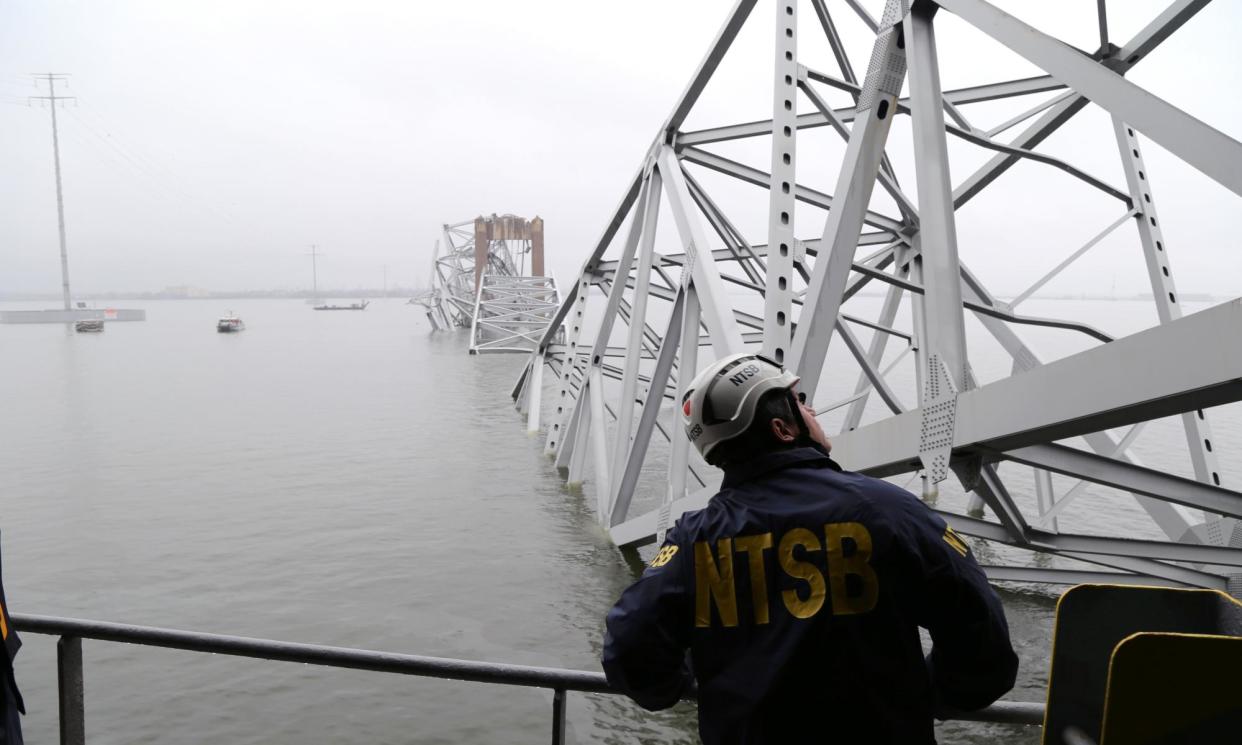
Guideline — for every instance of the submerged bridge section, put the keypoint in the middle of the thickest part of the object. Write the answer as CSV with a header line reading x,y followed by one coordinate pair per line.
x,y
479,281
1039,459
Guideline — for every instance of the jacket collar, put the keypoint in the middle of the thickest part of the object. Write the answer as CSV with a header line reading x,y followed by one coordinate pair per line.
x,y
746,471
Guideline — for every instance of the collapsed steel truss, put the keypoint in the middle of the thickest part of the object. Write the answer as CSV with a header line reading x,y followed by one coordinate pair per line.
x,y
612,396
454,271
478,282
512,313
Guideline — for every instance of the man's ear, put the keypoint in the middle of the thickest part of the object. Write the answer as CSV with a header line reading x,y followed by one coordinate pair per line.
x,y
783,431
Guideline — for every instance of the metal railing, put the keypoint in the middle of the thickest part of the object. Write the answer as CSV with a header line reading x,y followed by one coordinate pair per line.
x,y
560,681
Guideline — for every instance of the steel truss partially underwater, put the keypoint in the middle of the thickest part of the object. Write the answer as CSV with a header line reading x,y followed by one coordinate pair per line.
x,y
1056,425
478,282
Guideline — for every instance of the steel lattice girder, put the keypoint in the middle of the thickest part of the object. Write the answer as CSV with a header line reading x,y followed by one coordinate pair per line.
x,y
477,283
683,304
511,313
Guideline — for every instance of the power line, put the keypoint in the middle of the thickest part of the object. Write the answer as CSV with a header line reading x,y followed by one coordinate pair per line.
x,y
151,167
158,184
104,140
105,129
96,145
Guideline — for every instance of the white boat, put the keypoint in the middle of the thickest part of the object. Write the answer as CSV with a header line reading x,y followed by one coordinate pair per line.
x,y
230,324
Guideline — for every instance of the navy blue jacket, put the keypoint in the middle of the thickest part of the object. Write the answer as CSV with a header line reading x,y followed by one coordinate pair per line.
x,y
799,591
10,698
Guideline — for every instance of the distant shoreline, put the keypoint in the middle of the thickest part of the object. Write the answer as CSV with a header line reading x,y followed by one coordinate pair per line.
x,y
405,292
393,292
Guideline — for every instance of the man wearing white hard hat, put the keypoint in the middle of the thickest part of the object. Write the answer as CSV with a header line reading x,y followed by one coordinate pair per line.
x,y
794,599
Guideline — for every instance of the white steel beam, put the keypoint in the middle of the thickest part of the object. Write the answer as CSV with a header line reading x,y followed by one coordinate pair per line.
x,y
887,180
651,409
599,439
724,39
679,457
855,184
778,292
1214,153
1121,475
610,230
1171,518
870,370
1058,576
1185,365
942,303
650,206
603,331
879,342
1139,47
721,325
641,530
578,432
1129,555
1008,124
757,177
736,246
534,394
1071,259
575,309
1156,257
847,114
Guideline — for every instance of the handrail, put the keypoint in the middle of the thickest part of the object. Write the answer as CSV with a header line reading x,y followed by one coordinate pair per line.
x,y
559,680
317,654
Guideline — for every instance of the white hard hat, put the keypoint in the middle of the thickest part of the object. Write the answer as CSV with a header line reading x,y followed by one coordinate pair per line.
x,y
721,400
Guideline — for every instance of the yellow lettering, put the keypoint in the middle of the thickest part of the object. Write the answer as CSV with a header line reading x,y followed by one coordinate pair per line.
x,y
840,565
799,607
955,541
754,546
714,582
665,556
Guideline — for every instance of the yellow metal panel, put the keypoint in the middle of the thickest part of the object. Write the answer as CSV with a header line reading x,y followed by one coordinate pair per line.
x,y
1166,689
1093,619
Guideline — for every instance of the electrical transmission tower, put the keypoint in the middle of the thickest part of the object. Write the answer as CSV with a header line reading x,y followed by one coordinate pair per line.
x,y
51,78
315,254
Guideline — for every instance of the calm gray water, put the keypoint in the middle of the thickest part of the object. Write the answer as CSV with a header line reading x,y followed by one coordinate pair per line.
x,y
337,478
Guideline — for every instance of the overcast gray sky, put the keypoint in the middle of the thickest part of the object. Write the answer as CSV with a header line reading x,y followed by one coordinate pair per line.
x,y
213,142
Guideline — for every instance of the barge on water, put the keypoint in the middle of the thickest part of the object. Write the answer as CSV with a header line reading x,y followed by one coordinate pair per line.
x,y
361,305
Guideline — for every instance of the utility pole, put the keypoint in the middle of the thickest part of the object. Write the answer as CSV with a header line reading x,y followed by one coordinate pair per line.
x,y
385,280
314,254
51,79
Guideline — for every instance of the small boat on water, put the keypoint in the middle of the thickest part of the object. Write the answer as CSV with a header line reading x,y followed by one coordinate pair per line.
x,y
360,305
230,324
89,326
